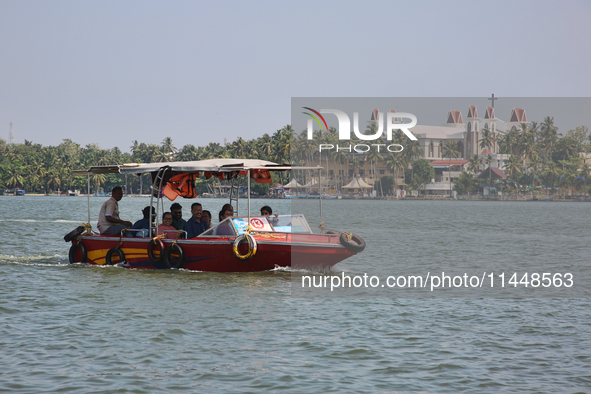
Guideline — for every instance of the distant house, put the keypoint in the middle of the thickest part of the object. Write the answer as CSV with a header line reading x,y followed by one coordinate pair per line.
x,y
490,174
445,173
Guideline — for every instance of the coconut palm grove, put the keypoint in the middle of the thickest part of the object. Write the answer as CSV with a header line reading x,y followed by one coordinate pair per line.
x,y
540,160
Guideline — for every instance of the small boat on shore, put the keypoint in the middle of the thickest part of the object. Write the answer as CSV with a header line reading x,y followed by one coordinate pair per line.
x,y
14,192
237,244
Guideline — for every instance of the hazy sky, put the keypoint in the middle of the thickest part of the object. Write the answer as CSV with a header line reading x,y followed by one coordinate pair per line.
x,y
112,72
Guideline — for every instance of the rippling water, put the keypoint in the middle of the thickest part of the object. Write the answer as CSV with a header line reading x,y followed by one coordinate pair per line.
x,y
107,329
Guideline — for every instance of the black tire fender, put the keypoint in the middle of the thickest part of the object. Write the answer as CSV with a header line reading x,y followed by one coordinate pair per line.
x,y
73,249
109,257
74,233
156,242
174,248
354,244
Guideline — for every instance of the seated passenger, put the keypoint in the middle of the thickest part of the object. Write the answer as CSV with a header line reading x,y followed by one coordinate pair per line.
x,y
195,225
267,212
228,207
206,216
225,228
109,222
166,228
177,216
142,224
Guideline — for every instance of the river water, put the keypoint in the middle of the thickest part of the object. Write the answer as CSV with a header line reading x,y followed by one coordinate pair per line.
x,y
77,328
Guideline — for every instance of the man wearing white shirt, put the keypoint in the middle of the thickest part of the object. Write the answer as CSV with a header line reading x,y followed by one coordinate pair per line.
x,y
109,222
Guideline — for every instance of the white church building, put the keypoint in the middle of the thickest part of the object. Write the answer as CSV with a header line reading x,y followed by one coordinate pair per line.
x,y
466,134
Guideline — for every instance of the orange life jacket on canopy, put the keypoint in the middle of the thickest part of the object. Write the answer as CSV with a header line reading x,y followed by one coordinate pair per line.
x,y
181,185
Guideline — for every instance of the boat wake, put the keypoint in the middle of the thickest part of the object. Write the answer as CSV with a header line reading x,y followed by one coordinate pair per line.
x,y
39,260
304,270
50,261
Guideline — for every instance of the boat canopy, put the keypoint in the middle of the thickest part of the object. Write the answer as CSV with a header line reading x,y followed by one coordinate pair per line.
x,y
213,165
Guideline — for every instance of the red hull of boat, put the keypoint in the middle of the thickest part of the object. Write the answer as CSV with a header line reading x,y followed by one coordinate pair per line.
x,y
214,254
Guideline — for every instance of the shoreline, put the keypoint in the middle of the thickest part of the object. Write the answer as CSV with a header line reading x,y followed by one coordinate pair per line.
x,y
410,198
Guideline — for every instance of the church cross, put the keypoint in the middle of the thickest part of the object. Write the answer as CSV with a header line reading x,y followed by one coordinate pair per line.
x,y
493,100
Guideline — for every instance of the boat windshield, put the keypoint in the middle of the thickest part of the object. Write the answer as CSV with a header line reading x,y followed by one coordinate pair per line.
x,y
281,223
290,224
224,228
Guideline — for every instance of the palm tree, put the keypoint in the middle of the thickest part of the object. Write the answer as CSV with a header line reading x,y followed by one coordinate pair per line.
x,y
238,148
265,146
585,171
355,162
99,179
550,176
569,173
340,156
54,180
549,136
395,162
187,153
14,178
474,164
512,165
374,156
412,152
504,142
168,145
488,160
161,155
487,139
449,150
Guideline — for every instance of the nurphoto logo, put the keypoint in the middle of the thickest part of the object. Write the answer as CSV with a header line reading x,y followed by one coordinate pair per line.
x,y
344,129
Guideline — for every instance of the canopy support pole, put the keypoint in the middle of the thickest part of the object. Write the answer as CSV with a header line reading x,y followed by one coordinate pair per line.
x,y
157,187
320,192
88,197
248,180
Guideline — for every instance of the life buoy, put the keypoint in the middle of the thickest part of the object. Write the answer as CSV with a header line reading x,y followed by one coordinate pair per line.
x,y
74,233
156,242
252,246
72,254
358,244
174,248
109,256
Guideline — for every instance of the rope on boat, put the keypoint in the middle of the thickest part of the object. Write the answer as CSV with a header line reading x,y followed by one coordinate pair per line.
x,y
87,228
267,235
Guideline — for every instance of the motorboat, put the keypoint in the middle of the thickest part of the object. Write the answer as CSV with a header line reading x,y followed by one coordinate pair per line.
x,y
244,243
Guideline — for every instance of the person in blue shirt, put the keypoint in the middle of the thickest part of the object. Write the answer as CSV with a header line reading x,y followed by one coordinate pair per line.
x,y
143,224
196,225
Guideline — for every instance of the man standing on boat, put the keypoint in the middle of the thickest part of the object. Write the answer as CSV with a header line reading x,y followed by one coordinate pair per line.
x,y
177,216
109,222
195,225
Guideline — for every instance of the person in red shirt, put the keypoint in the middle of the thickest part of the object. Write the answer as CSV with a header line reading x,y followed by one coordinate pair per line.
x,y
166,228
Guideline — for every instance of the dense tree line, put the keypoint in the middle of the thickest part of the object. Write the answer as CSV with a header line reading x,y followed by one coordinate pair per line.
x,y
539,159
538,156
43,169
